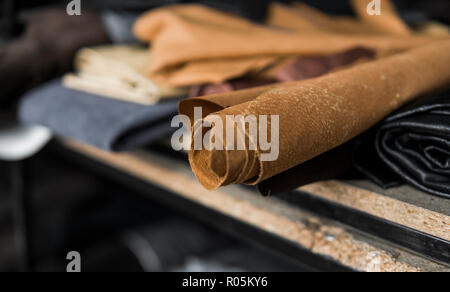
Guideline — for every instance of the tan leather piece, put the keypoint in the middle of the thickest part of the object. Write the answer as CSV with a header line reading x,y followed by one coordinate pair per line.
x,y
193,44
215,70
320,114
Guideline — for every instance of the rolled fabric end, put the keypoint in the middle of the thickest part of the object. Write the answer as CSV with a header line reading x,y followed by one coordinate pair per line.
x,y
222,165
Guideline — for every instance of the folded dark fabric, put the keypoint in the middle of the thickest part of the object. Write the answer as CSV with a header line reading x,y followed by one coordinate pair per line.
x,y
412,146
105,123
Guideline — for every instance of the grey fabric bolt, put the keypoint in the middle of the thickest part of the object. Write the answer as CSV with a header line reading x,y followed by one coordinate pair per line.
x,y
105,123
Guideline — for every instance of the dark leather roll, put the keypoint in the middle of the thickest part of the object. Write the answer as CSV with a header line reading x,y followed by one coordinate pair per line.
x,y
330,165
412,146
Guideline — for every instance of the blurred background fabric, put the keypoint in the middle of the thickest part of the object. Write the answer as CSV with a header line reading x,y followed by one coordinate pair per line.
x,y
436,9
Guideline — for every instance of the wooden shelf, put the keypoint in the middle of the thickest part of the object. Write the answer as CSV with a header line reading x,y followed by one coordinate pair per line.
x,y
326,226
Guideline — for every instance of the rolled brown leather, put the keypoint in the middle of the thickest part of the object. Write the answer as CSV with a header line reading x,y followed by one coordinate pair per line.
x,y
317,115
194,45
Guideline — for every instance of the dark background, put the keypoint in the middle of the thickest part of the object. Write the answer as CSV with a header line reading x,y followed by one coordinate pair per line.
x,y
436,9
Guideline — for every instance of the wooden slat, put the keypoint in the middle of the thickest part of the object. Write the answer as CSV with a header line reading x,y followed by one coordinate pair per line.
x,y
393,210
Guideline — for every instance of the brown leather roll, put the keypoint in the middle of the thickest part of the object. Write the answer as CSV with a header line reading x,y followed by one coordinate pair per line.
x,y
319,114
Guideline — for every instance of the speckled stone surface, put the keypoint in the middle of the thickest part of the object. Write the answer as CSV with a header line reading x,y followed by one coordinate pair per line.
x,y
408,195
385,207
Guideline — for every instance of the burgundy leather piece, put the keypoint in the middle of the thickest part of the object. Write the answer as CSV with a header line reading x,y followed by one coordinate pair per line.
x,y
300,69
312,67
202,90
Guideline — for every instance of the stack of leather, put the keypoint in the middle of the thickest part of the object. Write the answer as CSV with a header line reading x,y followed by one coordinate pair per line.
x,y
316,115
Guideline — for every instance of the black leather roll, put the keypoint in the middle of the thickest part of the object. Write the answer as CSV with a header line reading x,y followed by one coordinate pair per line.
x,y
412,146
